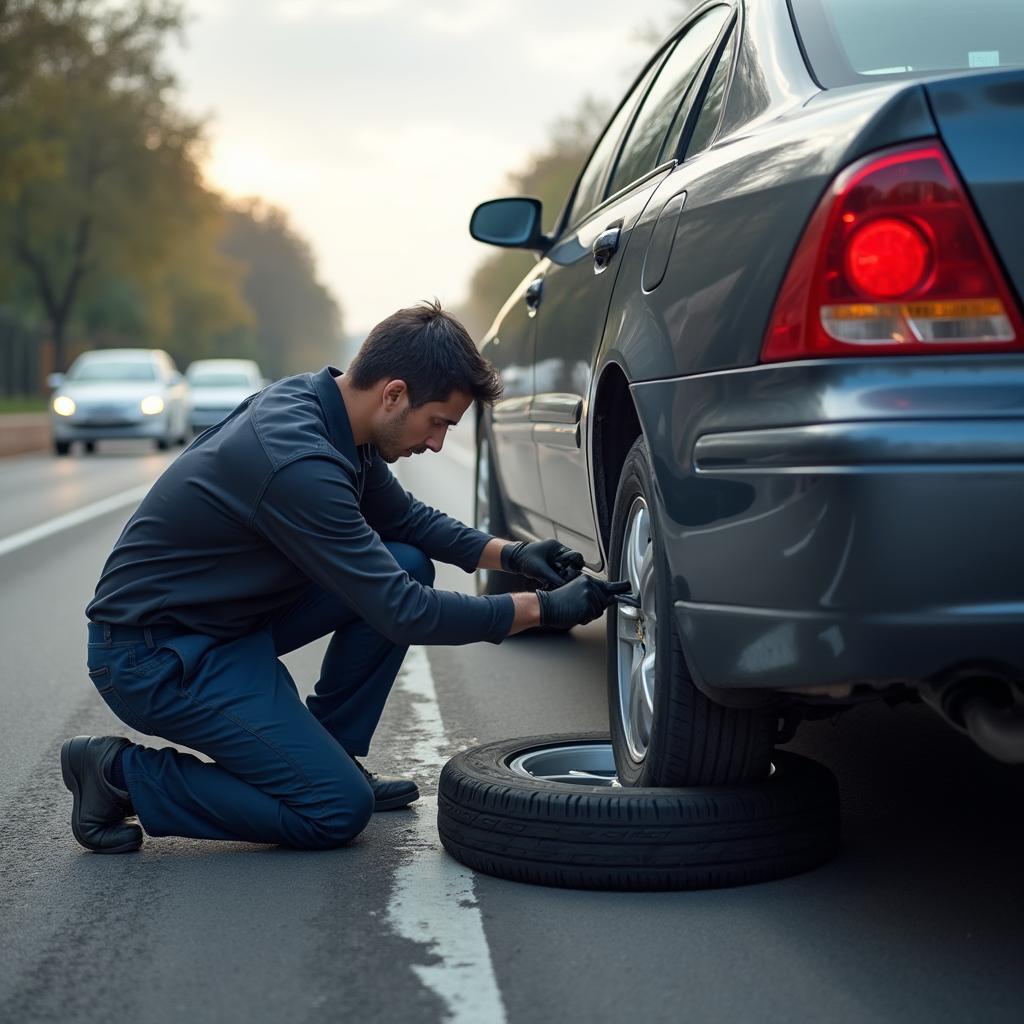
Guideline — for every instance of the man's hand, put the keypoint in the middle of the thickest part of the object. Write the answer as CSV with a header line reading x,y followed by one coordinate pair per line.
x,y
580,601
546,561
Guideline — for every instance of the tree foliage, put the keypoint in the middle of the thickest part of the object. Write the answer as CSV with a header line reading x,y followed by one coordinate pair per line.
x,y
298,323
106,228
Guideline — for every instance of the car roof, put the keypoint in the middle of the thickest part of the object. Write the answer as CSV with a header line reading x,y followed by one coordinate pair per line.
x,y
249,365
222,362
121,353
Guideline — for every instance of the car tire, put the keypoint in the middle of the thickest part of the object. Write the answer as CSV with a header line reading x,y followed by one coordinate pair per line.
x,y
674,736
61,447
90,447
489,517
162,444
495,818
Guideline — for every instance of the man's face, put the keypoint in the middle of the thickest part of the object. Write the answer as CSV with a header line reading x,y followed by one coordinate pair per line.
x,y
402,430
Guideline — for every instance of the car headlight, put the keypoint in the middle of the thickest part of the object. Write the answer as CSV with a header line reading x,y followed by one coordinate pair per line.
x,y
152,404
63,406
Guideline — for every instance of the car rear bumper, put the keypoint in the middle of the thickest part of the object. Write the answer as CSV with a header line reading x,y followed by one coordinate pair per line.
x,y
72,429
843,522
780,649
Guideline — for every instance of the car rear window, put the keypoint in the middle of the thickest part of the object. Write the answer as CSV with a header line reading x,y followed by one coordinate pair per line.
x,y
850,41
108,369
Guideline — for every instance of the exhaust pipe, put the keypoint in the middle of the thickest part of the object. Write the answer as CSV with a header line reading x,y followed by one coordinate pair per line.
x,y
986,705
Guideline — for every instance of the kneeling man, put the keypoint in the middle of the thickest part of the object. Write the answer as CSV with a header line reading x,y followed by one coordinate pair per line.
x,y
282,524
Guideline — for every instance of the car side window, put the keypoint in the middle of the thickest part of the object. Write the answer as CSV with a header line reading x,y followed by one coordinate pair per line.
x,y
590,190
711,112
665,99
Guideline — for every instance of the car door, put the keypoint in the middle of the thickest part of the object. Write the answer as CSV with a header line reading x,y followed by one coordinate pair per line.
x,y
511,343
510,347
579,271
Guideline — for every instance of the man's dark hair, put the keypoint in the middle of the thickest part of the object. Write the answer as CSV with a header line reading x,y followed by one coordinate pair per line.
x,y
431,351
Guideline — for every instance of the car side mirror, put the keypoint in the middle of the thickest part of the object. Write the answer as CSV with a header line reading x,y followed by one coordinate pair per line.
x,y
510,223
54,381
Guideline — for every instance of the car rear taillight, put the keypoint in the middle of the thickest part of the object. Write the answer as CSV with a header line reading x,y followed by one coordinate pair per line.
x,y
893,261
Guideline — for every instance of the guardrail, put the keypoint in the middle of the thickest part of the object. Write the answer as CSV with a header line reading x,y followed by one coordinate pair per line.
x,y
24,432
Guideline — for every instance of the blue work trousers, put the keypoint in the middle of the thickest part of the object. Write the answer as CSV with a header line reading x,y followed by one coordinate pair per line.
x,y
282,771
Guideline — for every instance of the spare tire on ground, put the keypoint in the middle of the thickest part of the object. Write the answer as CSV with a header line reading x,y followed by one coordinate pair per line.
x,y
548,810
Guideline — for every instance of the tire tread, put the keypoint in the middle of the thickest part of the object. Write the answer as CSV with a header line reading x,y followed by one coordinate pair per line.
x,y
696,741
594,837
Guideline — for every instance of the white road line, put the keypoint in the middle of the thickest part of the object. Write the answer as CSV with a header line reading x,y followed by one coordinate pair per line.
x,y
135,494
433,901
80,515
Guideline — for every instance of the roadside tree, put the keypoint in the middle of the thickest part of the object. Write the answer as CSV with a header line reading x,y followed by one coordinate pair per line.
x,y
103,216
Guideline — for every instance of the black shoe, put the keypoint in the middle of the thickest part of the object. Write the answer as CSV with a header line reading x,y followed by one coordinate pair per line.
x,y
99,810
389,791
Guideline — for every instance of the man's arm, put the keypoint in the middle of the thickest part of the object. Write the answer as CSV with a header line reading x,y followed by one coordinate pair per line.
x,y
310,512
527,611
527,606
396,515
490,557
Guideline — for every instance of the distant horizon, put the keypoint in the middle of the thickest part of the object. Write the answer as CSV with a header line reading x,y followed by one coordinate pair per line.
x,y
368,164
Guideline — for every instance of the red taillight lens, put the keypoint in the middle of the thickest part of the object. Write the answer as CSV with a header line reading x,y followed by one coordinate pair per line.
x,y
893,261
886,257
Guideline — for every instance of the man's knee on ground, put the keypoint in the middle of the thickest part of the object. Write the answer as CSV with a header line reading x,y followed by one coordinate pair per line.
x,y
341,821
414,562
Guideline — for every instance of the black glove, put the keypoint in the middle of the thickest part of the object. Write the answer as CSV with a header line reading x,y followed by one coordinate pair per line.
x,y
582,600
544,560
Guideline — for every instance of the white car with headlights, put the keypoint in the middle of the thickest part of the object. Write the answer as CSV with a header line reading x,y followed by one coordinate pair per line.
x,y
218,386
112,393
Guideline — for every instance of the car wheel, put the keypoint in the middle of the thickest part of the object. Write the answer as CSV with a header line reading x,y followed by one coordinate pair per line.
x,y
162,444
90,447
665,731
61,447
489,517
549,810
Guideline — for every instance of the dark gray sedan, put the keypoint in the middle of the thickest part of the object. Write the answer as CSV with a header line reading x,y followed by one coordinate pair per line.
x,y
770,367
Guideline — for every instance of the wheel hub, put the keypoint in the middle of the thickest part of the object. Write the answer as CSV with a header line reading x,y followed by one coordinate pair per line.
x,y
579,764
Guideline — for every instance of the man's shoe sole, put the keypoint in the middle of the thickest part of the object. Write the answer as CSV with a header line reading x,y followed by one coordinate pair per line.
x,y
71,781
395,802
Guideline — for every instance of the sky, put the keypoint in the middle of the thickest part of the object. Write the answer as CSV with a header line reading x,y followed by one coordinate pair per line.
x,y
379,124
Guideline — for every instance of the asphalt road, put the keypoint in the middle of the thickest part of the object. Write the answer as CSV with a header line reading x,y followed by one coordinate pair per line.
x,y
918,919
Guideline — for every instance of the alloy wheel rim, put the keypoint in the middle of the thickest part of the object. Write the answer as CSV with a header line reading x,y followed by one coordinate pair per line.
x,y
576,764
636,632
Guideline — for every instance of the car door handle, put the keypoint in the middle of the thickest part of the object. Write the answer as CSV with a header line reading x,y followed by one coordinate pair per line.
x,y
534,293
605,246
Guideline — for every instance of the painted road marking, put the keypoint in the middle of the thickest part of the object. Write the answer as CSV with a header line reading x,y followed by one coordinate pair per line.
x,y
132,496
80,515
433,901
